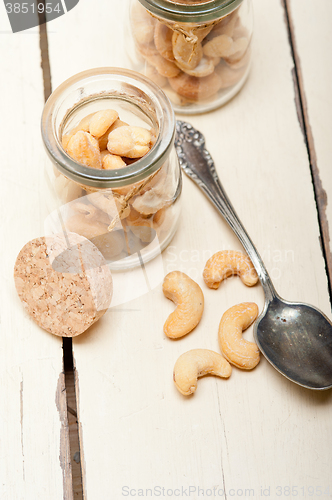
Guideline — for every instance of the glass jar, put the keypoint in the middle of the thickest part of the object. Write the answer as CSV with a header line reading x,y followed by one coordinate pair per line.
x,y
197,51
130,212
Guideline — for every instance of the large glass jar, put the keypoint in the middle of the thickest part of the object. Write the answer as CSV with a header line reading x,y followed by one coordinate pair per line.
x,y
198,51
130,212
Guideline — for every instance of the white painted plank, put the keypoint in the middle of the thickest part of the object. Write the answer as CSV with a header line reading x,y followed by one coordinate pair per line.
x,y
87,37
313,36
32,422
256,429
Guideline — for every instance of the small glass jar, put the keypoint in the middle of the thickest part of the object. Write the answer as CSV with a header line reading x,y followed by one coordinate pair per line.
x,y
197,51
129,213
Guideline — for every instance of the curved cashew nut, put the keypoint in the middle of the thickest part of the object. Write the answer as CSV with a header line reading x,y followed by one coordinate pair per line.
x,y
140,227
108,203
84,148
152,73
88,210
185,52
143,24
163,41
193,88
163,66
82,225
188,297
235,348
204,68
101,121
196,363
227,263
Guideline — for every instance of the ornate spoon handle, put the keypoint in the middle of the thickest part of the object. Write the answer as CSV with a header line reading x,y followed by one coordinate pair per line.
x,y
198,164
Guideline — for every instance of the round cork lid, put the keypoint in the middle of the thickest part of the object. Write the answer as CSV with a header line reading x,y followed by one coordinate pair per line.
x,y
63,282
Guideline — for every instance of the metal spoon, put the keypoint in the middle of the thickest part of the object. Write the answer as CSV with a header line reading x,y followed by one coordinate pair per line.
x,y
295,338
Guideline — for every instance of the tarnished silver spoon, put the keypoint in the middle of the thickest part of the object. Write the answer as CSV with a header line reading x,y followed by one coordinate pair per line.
x,y
295,338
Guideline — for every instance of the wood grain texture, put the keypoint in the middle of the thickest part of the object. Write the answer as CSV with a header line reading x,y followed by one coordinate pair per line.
x,y
312,40
33,426
256,429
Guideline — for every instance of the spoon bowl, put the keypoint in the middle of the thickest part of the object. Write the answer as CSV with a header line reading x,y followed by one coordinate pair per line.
x,y
295,338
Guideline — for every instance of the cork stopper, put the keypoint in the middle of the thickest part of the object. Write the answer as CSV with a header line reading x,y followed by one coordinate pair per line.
x,y
63,282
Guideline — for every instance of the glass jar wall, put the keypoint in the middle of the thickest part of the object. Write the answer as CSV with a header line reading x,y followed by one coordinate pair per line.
x,y
127,203
197,51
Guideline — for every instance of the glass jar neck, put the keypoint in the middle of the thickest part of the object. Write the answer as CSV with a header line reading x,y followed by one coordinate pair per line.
x,y
115,83
192,11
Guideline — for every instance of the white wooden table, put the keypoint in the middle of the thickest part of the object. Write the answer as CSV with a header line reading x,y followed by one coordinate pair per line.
x,y
256,435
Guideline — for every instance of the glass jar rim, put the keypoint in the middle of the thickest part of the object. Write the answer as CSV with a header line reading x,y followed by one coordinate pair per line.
x,y
195,13
97,178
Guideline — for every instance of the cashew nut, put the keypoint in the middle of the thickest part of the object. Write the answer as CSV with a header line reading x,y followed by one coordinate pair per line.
x,y
239,63
140,227
146,228
163,41
226,26
111,162
84,125
159,217
132,142
84,148
89,211
142,23
219,46
163,66
189,299
150,202
152,73
109,204
101,121
144,232
83,226
229,73
204,68
196,363
65,141
103,140
66,189
239,47
227,263
193,88
185,52
147,49
159,196
235,348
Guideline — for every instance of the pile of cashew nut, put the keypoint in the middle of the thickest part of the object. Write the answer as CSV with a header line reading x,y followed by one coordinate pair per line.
x,y
189,300
195,60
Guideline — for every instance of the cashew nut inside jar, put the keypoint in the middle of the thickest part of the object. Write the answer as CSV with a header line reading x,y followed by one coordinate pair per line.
x,y
112,174
197,51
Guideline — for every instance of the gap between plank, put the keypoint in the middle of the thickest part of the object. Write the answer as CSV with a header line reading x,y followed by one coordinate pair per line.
x,y
73,424
68,362
302,109
43,43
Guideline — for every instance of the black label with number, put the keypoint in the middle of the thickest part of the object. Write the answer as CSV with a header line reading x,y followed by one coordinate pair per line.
x,y
28,14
